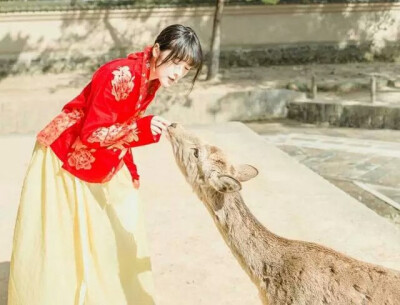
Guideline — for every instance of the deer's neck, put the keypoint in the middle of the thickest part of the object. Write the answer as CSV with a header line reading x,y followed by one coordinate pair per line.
x,y
256,248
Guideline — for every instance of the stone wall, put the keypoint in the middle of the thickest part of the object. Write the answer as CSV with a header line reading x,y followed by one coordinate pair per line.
x,y
251,35
345,114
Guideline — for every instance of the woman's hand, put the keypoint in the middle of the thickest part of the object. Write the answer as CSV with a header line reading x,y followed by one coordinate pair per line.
x,y
136,184
158,125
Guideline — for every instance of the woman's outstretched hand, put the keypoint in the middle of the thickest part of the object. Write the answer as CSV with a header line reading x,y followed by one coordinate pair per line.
x,y
136,184
159,125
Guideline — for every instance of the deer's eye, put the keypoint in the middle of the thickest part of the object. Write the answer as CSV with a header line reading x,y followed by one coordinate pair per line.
x,y
196,152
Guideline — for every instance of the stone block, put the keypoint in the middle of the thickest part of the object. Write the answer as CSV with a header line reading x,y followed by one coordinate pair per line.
x,y
254,105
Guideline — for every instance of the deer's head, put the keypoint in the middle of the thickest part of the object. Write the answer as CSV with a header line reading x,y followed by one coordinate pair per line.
x,y
205,165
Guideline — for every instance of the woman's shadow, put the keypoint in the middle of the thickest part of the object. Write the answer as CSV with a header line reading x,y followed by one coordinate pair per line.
x,y
4,273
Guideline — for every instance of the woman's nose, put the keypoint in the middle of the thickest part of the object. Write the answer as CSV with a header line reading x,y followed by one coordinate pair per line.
x,y
178,71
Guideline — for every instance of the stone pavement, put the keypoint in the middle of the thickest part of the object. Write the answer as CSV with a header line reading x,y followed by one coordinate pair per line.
x,y
191,263
364,163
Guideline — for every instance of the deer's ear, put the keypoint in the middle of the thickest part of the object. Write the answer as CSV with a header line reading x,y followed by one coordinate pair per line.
x,y
225,183
245,172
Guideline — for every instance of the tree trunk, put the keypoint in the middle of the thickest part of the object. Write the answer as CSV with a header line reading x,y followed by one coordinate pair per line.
x,y
213,65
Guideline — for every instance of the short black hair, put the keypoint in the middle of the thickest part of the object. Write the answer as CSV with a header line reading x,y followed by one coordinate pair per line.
x,y
184,45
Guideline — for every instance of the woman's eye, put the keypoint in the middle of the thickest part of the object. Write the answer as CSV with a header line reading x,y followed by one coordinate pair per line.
x,y
187,68
196,152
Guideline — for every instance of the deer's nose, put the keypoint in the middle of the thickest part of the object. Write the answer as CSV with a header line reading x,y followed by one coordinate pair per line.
x,y
173,125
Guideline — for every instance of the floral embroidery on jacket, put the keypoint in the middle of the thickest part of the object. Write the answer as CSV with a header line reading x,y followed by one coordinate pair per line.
x,y
81,157
116,136
122,84
58,125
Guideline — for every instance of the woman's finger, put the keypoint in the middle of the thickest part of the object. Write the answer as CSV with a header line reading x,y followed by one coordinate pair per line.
x,y
162,120
155,130
159,125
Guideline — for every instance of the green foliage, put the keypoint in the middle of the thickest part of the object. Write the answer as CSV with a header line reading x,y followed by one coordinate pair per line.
x,y
270,1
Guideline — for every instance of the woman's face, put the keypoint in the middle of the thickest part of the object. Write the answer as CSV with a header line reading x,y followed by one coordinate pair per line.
x,y
170,72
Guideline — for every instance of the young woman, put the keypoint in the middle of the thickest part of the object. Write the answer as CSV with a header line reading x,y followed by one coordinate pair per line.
x,y
79,237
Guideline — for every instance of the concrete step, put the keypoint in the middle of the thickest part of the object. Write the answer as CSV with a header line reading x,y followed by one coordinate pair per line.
x,y
346,113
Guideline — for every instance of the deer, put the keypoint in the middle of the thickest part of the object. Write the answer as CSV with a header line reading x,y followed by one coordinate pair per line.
x,y
285,271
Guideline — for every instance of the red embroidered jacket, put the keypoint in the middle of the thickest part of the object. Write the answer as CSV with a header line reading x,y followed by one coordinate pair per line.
x,y
94,133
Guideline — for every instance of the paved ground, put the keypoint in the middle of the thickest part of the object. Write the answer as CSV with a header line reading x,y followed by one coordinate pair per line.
x,y
364,163
190,260
187,250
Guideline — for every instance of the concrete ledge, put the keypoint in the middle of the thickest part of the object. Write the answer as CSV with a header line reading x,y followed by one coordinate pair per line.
x,y
216,104
346,114
22,113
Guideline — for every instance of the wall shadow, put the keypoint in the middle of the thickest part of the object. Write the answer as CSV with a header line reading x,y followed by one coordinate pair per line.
x,y
366,37
11,44
122,39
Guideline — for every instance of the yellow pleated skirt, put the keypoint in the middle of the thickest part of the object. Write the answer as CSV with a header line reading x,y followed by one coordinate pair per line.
x,y
78,243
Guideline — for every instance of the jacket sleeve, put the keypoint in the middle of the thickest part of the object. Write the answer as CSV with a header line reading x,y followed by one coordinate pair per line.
x,y
130,164
100,128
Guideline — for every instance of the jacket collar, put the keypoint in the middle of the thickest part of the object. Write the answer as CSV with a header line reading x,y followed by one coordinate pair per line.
x,y
145,90
146,70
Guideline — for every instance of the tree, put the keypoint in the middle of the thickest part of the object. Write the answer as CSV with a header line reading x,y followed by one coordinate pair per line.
x,y
213,64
